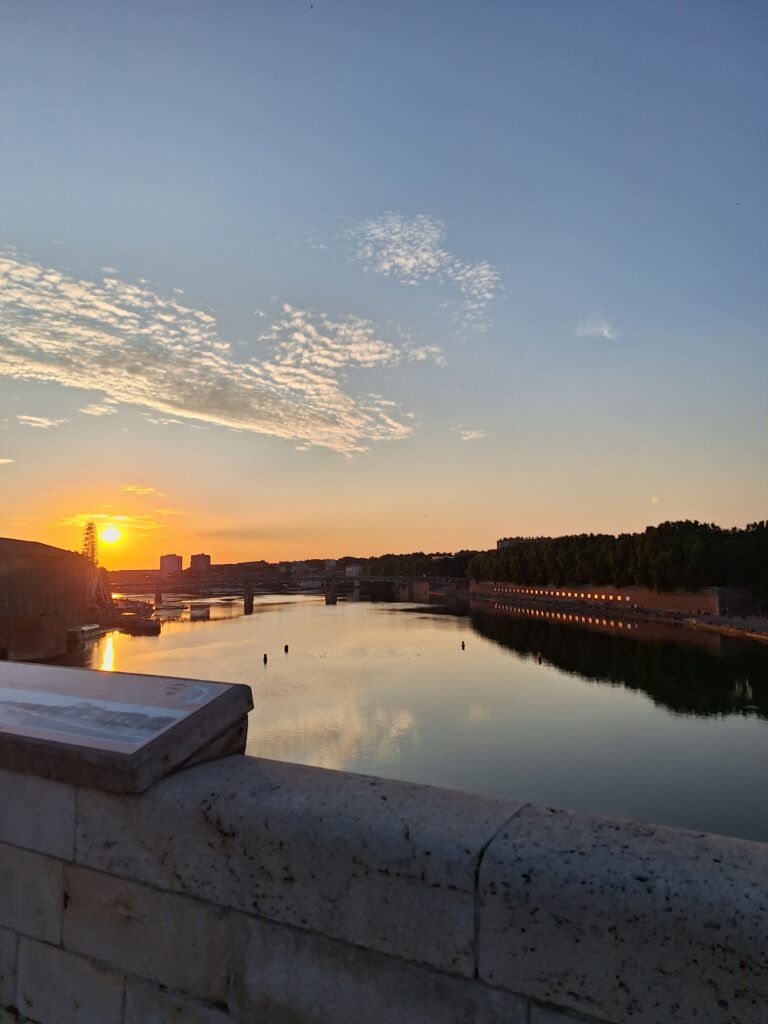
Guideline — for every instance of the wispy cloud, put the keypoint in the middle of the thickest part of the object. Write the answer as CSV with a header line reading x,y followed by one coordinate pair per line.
x,y
40,422
98,410
595,327
137,347
170,512
138,489
4,462
81,518
164,421
138,525
470,433
413,251
427,352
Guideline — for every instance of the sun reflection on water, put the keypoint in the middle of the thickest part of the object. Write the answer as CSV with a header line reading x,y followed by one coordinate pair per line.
x,y
108,656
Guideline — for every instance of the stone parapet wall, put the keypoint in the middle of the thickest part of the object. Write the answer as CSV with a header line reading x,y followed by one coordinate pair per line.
x,y
252,891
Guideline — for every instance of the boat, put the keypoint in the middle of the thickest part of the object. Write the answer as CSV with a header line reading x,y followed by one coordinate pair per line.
x,y
169,607
77,635
140,626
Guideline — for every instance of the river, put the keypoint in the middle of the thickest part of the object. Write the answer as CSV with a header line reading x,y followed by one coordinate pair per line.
x,y
654,723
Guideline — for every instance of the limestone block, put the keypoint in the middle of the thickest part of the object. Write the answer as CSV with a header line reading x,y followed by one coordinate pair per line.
x,y
551,1015
31,892
294,977
38,814
386,865
56,987
8,943
146,1003
619,920
179,942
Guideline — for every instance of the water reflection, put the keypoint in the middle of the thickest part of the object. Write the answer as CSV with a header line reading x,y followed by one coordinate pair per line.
x,y
652,723
108,655
684,671
340,736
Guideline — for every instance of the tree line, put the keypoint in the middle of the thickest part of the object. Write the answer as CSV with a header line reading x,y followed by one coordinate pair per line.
x,y
686,555
417,563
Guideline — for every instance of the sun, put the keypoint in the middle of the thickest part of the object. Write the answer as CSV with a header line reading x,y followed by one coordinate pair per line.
x,y
110,535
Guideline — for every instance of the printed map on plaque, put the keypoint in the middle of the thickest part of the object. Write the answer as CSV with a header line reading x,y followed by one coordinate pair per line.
x,y
53,709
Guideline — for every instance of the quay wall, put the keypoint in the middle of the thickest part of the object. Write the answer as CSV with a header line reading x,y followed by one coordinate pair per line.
x,y
708,601
248,891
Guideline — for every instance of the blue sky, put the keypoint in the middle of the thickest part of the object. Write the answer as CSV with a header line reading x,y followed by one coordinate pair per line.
x,y
355,277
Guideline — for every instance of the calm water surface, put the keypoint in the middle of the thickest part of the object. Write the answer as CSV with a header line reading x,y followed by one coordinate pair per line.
x,y
659,724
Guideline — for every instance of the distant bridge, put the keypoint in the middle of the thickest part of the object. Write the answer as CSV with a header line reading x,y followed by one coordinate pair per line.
x,y
404,588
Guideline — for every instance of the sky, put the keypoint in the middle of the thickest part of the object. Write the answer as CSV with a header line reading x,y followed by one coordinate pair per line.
x,y
313,279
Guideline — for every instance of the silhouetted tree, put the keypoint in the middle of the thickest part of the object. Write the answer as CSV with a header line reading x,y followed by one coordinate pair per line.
x,y
685,554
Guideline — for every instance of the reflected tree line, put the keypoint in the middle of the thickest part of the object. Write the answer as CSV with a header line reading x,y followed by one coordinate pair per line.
x,y
683,679
686,555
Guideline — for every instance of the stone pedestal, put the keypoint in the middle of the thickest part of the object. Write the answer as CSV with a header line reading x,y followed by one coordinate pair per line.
x,y
112,730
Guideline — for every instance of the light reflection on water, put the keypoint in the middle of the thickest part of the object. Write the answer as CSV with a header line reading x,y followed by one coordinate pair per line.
x,y
655,729
108,654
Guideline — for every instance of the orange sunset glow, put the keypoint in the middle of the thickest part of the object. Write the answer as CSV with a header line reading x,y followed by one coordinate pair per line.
x,y
409,358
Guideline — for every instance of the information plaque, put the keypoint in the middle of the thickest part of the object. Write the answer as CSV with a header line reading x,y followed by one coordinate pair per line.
x,y
112,730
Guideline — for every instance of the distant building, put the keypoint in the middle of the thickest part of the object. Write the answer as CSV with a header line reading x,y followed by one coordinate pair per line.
x,y
330,564
507,542
170,564
43,591
200,563
354,572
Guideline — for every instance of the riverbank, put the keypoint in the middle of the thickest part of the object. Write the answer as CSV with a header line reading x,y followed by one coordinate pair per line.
x,y
748,627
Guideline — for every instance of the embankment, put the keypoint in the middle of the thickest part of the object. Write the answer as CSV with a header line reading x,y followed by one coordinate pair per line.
x,y
720,610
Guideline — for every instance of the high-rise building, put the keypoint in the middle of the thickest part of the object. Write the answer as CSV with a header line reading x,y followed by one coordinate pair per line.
x,y
200,563
170,564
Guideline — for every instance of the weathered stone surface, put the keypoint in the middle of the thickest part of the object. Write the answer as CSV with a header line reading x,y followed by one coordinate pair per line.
x,y
385,865
145,1003
551,1015
8,943
623,921
37,814
56,987
30,893
293,977
177,941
